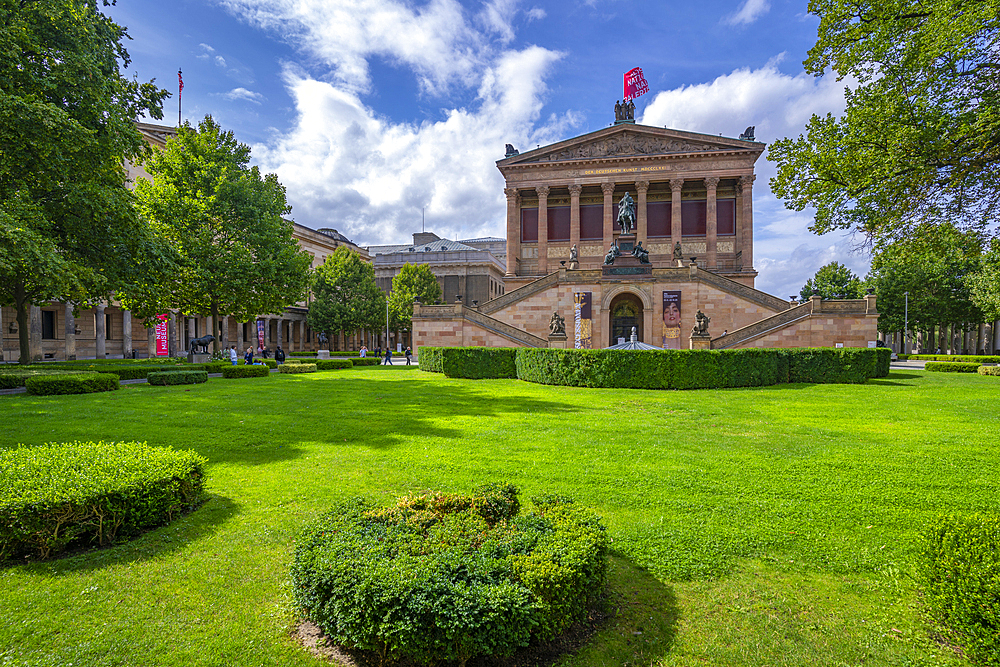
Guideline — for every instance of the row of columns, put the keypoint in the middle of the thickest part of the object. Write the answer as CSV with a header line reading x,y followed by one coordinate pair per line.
x,y
744,227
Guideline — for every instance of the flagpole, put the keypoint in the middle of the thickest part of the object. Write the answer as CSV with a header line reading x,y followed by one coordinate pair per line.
x,y
180,91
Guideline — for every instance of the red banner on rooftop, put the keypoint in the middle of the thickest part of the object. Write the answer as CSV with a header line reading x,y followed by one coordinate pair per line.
x,y
634,84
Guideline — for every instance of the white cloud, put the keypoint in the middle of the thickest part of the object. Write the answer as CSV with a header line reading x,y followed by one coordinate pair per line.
x,y
369,177
243,94
220,61
536,14
786,253
750,11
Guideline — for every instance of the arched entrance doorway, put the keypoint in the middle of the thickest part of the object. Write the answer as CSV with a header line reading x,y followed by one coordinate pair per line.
x,y
626,312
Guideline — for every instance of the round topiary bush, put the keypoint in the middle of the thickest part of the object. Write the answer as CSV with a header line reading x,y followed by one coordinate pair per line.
x,y
91,493
445,577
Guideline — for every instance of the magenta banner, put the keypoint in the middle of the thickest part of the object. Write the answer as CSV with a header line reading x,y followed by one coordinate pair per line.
x,y
162,347
671,320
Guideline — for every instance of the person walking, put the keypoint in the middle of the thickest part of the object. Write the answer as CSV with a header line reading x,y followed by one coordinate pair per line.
x,y
266,353
279,355
408,353
388,356
364,351
232,355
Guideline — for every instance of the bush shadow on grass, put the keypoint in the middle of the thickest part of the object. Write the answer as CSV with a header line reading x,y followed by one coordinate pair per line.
x,y
179,533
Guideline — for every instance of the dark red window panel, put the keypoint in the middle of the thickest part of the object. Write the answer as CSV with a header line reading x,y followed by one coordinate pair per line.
x,y
529,224
658,218
558,223
693,216
726,211
592,222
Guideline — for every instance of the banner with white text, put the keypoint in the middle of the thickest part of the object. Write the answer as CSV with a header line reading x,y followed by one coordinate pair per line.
x,y
583,332
162,346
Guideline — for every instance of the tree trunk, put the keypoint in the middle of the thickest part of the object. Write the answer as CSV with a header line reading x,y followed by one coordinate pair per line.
x,y
23,332
214,324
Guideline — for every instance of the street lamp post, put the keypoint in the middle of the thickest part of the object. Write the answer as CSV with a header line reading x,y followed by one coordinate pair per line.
x,y
387,322
906,322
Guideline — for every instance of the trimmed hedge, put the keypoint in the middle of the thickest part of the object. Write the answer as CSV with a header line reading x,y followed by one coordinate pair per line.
x,y
989,370
333,364
445,577
177,377
56,496
478,363
367,361
297,368
14,377
959,569
951,367
77,383
230,372
429,359
980,358
826,365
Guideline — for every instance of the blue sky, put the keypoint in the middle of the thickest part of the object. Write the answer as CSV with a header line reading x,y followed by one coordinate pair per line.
x,y
371,110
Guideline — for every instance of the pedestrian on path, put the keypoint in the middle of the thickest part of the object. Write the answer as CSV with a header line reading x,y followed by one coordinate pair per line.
x,y
408,353
232,355
279,355
388,357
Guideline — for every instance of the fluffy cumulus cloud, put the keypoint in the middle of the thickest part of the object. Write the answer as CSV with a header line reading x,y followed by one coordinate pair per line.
x,y
749,11
243,94
786,253
370,177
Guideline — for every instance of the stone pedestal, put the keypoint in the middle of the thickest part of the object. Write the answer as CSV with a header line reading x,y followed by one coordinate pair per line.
x,y
558,341
626,264
701,342
198,358
323,354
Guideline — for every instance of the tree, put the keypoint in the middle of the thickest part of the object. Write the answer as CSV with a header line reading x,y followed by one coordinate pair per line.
x,y
68,221
236,254
345,295
414,281
919,140
984,284
833,281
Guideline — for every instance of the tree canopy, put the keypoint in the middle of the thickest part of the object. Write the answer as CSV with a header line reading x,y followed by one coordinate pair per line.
x,y
67,124
414,281
345,295
919,140
236,254
833,281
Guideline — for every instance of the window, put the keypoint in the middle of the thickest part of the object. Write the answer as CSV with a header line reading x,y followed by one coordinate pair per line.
x,y
529,225
658,218
558,223
108,322
726,212
48,325
592,222
693,214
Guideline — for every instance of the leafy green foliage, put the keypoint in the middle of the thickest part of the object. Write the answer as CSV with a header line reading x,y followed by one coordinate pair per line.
x,y
236,253
90,493
76,383
477,363
346,297
917,142
430,359
334,364
959,569
989,370
68,226
13,377
367,361
297,368
833,281
984,284
449,577
177,377
951,367
414,281
979,359
255,371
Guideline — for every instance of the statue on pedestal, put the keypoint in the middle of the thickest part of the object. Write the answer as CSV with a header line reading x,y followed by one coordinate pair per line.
x,y
701,321
626,214
641,253
574,259
557,325
612,253
678,252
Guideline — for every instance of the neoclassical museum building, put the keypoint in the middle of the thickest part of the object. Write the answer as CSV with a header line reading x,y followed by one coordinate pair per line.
x,y
575,278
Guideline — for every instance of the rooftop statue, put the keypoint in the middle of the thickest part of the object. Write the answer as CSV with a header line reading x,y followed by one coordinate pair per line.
x,y
626,214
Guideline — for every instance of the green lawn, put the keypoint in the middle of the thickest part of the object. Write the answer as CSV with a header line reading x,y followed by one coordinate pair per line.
x,y
769,526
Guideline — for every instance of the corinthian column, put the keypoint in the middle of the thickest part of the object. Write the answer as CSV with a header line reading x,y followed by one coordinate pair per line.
x,y
609,224
574,214
543,229
746,225
513,230
711,221
675,211
641,187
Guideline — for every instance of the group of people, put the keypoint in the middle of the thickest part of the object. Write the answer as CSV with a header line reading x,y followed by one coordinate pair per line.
x,y
387,358
279,354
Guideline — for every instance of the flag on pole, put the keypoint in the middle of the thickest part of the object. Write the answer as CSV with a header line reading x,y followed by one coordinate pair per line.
x,y
634,84
180,82
180,91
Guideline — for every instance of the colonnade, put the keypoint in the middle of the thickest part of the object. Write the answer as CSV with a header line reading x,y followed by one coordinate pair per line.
x,y
744,217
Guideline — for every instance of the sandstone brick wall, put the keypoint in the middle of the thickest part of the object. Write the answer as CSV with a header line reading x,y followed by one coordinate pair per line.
x,y
456,332
821,330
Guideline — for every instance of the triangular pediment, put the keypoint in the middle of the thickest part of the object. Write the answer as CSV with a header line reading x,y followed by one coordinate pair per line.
x,y
629,140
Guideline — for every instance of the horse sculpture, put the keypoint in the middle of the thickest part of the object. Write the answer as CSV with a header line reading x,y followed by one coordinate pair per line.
x,y
202,342
626,213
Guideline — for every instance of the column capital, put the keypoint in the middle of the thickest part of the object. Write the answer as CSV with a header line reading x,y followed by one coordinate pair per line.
x,y
576,189
747,181
676,184
543,190
712,182
641,186
608,188
511,193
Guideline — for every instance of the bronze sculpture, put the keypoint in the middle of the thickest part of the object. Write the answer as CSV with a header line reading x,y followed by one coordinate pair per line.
x,y
202,342
626,214
612,253
701,321
640,253
557,325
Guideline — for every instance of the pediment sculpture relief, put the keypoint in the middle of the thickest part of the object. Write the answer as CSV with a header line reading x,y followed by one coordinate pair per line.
x,y
628,143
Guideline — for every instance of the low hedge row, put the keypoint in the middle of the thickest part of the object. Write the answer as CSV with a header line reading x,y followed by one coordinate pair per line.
x,y
367,361
989,370
959,569
177,377
270,363
230,372
951,367
333,364
476,363
14,376
444,577
980,358
297,368
56,496
75,383
661,369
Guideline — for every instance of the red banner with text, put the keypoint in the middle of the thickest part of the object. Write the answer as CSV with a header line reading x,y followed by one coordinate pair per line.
x,y
162,348
634,84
